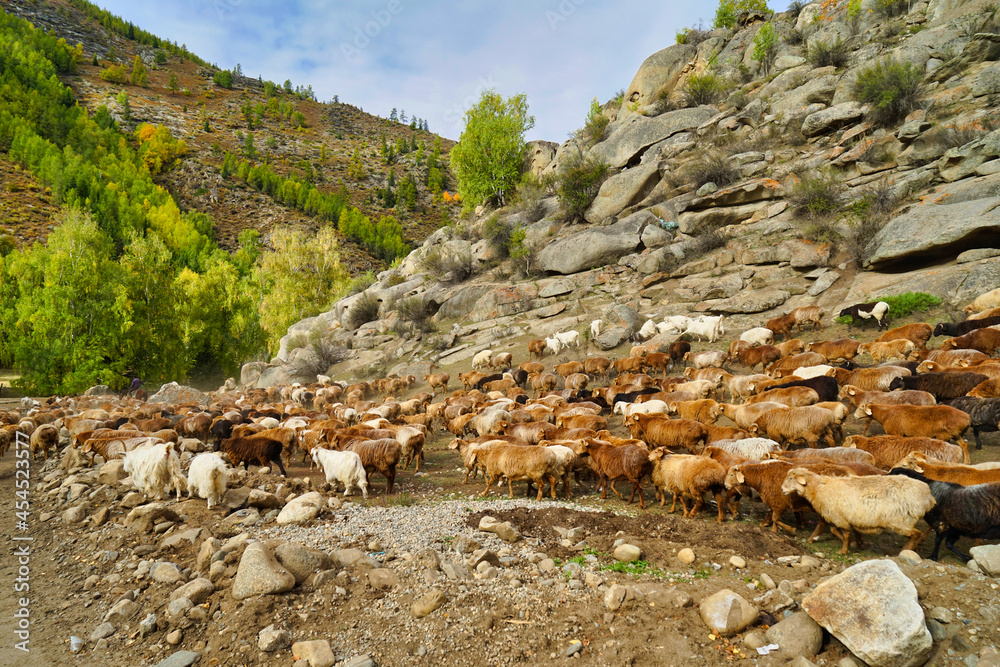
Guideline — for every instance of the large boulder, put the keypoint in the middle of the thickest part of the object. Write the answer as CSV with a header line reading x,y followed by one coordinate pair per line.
x,y
540,155
750,301
872,609
174,393
301,508
832,119
632,135
455,302
282,374
617,326
503,300
956,218
300,332
251,371
592,247
818,88
987,558
260,574
658,74
621,191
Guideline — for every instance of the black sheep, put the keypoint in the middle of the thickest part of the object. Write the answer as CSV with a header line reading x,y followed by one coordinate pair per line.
x,y
489,378
520,377
960,511
630,396
944,386
823,385
984,413
261,451
875,310
962,328
221,429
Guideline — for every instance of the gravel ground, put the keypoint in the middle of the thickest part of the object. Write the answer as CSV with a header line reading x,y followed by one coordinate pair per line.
x,y
403,528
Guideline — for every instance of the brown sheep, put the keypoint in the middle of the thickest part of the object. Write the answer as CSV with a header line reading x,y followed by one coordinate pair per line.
x,y
678,349
919,333
985,340
595,422
870,379
613,463
597,366
930,421
744,416
516,462
790,347
704,410
568,368
781,325
986,389
793,397
763,355
659,431
948,472
831,454
536,348
42,438
834,350
542,382
806,425
530,433
262,451
888,450
688,476
577,382
379,456
658,361
808,315
629,365
857,398
438,381
503,360
983,314
788,365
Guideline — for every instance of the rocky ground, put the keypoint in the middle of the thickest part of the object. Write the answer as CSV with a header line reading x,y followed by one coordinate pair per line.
x,y
413,576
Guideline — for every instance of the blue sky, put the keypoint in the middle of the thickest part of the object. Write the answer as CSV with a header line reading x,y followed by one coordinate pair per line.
x,y
431,59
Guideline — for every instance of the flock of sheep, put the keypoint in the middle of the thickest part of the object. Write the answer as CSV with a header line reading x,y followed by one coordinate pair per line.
x,y
925,400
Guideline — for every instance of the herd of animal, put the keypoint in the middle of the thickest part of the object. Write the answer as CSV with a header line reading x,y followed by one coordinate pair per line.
x,y
782,441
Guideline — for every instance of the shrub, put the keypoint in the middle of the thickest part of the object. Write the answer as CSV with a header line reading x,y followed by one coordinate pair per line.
x,y
893,89
115,74
693,35
729,11
579,181
854,16
324,353
887,9
362,311
704,88
902,305
705,242
531,193
414,313
448,268
597,122
714,169
824,54
394,279
816,198
866,216
361,282
795,8
499,234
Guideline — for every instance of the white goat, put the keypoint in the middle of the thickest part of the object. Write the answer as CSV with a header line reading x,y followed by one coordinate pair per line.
x,y
674,324
482,359
647,331
595,329
708,327
155,470
343,467
554,345
758,336
568,338
207,478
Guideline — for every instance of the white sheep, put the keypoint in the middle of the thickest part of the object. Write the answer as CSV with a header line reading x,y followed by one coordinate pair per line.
x,y
207,478
626,410
269,422
647,331
342,467
482,359
568,338
751,448
323,379
155,470
706,327
554,345
867,504
674,324
807,372
595,329
758,336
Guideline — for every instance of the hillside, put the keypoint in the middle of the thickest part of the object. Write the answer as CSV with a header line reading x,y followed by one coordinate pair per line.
x,y
317,146
740,181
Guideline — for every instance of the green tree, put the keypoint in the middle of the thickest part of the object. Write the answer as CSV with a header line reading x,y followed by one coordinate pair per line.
x,y
126,107
139,76
300,276
489,156
223,78
173,85
765,46
729,10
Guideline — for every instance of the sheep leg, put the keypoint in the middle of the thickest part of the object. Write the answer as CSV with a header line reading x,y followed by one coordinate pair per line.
x,y
418,456
684,507
916,536
489,483
510,488
673,507
566,489
611,483
820,527
776,521
950,545
975,432
721,505
937,544
637,486
845,538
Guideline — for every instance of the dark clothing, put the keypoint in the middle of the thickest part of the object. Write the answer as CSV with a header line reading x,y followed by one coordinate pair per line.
x,y
136,383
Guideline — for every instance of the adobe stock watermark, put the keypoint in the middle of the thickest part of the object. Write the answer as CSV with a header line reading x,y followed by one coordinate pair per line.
x,y
226,8
454,116
363,35
562,12
22,551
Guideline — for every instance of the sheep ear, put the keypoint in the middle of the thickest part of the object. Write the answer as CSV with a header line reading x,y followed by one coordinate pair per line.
x,y
918,468
740,479
801,479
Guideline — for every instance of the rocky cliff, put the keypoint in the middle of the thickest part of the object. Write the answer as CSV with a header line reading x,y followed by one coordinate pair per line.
x,y
786,189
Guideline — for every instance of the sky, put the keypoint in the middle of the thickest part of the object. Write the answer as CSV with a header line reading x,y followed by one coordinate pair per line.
x,y
431,59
